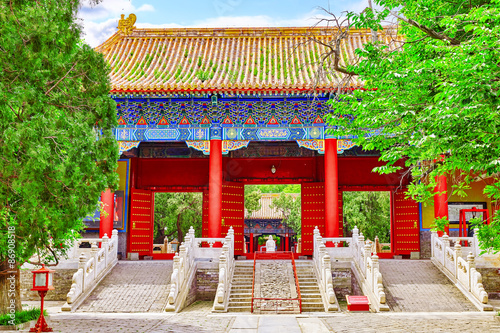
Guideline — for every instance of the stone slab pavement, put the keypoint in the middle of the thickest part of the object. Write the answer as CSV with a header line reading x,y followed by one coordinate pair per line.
x,y
198,318
132,286
418,286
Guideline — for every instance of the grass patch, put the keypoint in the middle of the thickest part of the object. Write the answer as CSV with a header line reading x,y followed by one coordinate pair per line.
x,y
21,317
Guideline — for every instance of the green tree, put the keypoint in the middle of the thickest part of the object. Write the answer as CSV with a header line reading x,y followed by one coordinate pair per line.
x,y
252,198
175,213
370,212
434,94
57,146
290,207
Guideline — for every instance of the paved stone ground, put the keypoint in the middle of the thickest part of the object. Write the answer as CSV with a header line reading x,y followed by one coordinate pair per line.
x,y
465,322
198,318
132,286
418,286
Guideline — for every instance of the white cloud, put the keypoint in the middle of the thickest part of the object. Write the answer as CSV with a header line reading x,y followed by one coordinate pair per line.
x,y
97,33
146,8
100,22
104,10
109,10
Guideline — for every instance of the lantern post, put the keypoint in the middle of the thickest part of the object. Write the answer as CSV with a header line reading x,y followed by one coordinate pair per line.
x,y
42,282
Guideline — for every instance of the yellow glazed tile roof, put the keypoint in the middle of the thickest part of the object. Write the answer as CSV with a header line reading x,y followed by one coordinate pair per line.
x,y
266,212
193,59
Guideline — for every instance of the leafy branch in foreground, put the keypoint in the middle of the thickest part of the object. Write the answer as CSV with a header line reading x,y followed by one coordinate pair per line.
x,y
430,97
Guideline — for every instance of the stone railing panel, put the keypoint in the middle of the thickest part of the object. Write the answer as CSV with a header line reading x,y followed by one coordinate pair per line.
x,y
360,252
226,269
342,247
184,267
461,271
93,265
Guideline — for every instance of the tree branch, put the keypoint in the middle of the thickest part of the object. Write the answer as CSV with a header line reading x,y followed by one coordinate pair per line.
x,y
432,33
65,75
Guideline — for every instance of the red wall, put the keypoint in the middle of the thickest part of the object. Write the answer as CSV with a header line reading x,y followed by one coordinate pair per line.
x,y
357,171
255,170
172,172
353,171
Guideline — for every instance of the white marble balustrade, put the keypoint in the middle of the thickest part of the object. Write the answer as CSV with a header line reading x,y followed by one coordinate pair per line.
x,y
353,249
226,269
93,265
184,266
462,271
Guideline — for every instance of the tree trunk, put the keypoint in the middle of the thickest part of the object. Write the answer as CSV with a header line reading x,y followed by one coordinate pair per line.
x,y
10,289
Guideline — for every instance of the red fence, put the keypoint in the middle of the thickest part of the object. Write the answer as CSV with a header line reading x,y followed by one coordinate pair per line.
x,y
276,305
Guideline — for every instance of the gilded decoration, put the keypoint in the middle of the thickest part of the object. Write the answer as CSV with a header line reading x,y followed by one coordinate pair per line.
x,y
203,146
126,25
344,144
127,145
318,145
230,145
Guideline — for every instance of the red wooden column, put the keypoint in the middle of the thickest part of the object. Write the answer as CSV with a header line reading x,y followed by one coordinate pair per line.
x,y
331,189
441,200
106,223
215,185
251,243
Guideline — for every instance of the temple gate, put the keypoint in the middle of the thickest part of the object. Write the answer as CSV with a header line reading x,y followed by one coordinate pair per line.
x,y
210,110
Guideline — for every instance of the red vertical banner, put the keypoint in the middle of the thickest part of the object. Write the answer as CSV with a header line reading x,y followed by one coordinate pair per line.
x,y
406,218
313,214
233,213
141,222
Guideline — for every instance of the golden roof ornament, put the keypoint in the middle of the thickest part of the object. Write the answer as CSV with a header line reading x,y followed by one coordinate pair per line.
x,y
126,25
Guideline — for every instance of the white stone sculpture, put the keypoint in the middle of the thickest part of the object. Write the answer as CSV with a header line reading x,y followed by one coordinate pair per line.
x,y
270,244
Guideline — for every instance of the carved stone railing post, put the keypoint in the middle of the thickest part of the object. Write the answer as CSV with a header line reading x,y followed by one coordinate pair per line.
x,y
93,254
458,254
378,286
476,248
433,237
105,245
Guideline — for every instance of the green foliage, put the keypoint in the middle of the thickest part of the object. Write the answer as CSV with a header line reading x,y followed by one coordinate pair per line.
x,y
203,75
20,317
290,207
370,212
278,188
252,199
488,235
440,223
175,213
56,141
435,98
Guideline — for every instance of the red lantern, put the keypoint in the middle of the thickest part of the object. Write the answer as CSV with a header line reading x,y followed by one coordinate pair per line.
x,y
42,282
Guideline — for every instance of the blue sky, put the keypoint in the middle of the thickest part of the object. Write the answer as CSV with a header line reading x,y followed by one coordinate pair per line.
x,y
100,21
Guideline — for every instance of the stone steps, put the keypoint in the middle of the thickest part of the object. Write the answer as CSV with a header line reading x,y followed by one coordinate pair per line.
x,y
240,299
309,289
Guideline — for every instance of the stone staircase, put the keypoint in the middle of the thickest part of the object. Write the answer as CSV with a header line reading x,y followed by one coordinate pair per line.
x,y
240,298
309,289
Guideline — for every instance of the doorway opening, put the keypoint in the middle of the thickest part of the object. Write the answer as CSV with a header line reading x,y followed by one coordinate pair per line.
x,y
174,214
273,210
370,212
